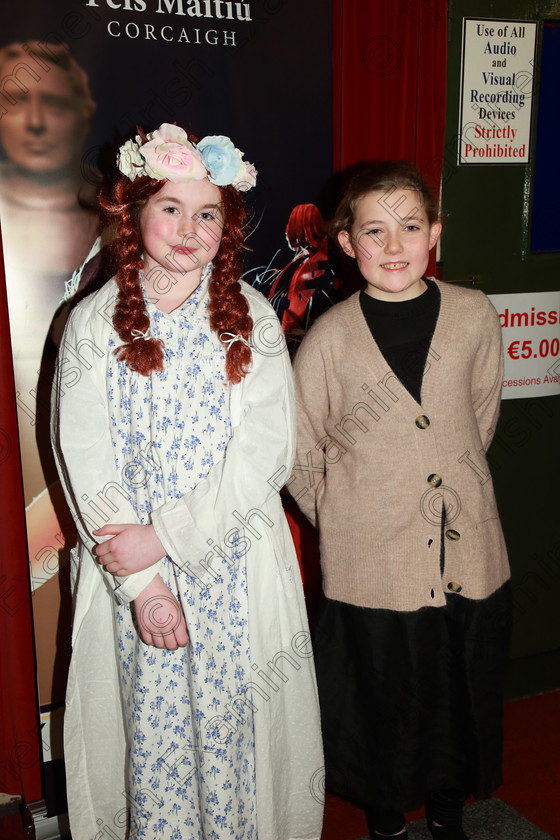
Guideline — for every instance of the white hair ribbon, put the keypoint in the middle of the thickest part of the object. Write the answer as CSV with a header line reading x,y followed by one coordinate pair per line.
x,y
146,335
229,338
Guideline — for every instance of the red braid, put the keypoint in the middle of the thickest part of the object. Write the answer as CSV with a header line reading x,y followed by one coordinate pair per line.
x,y
127,199
228,308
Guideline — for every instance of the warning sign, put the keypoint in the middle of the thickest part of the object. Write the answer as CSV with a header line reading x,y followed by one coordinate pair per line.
x,y
496,91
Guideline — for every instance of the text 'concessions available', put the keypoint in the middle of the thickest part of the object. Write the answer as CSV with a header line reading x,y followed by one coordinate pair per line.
x,y
496,91
531,337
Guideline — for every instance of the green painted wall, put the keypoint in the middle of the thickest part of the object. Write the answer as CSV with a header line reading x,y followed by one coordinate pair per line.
x,y
486,235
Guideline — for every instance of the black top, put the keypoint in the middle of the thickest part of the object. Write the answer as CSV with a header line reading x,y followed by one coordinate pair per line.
x,y
403,331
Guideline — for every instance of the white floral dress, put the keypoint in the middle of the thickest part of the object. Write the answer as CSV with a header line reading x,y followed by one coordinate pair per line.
x,y
219,739
168,431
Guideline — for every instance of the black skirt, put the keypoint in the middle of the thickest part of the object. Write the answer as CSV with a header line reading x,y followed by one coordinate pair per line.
x,y
411,702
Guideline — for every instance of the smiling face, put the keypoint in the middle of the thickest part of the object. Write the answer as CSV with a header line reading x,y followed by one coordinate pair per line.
x,y
181,228
45,125
391,238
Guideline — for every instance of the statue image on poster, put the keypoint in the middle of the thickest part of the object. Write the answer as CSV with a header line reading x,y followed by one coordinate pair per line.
x,y
48,222
307,285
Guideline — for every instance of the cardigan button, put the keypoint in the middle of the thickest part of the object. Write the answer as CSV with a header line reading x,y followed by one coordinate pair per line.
x,y
422,421
434,479
452,535
454,587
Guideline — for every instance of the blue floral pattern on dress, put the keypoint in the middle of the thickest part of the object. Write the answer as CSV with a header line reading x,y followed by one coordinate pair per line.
x,y
187,776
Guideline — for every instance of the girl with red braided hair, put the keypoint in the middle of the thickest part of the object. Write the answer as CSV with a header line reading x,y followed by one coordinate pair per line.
x,y
191,707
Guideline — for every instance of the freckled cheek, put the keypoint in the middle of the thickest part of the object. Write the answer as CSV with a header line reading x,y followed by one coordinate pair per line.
x,y
366,251
154,231
211,235
422,253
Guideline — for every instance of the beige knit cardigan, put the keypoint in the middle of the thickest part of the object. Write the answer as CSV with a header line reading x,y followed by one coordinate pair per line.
x,y
373,466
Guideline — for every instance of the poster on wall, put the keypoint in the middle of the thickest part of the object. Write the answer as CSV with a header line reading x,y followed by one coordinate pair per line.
x,y
75,81
496,91
531,338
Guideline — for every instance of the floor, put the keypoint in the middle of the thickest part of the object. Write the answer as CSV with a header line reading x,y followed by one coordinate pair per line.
x,y
531,771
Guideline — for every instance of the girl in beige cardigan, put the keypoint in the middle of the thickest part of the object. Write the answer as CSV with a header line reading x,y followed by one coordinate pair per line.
x,y
398,393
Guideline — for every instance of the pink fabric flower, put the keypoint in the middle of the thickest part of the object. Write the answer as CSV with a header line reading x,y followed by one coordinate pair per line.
x,y
169,154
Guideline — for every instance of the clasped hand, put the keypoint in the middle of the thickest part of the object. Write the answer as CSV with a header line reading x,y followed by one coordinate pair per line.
x,y
131,549
160,618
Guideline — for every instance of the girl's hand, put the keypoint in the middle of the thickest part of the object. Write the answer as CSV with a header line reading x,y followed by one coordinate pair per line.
x,y
160,618
132,548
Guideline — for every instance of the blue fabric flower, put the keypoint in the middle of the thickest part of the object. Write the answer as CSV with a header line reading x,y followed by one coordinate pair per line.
x,y
222,160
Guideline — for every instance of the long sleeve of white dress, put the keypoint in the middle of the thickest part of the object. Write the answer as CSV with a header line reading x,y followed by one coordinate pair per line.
x,y
94,490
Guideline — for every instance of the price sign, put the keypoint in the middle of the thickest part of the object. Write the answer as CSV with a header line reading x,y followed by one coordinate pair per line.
x,y
526,350
531,336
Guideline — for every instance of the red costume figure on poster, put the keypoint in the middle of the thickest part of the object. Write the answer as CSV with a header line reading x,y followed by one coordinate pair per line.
x,y
304,288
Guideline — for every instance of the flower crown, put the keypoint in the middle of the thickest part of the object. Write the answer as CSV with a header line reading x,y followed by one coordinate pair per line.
x,y
168,154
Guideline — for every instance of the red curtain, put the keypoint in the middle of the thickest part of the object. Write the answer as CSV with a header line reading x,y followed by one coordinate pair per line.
x,y
20,772
389,83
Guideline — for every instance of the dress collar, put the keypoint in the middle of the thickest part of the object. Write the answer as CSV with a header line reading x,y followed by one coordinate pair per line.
x,y
194,305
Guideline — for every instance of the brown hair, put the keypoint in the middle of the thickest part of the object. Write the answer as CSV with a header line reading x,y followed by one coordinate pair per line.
x,y
382,176
228,308
55,54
